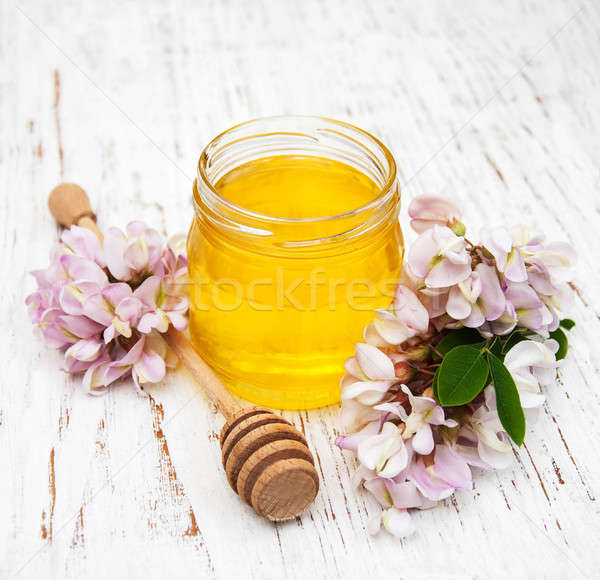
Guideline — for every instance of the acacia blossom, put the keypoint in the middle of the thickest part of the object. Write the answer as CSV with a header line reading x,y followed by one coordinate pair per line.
x,y
533,365
477,299
484,429
426,211
412,452
424,413
510,278
406,317
369,374
104,306
440,258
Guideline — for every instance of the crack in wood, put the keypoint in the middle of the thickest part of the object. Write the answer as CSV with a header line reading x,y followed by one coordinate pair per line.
x,y
78,540
47,530
495,168
57,122
537,472
590,495
170,487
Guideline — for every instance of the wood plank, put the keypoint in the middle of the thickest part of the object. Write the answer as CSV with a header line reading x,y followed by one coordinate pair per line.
x,y
494,103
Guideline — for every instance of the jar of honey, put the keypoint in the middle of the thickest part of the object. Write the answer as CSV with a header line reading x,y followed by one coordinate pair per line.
x,y
295,242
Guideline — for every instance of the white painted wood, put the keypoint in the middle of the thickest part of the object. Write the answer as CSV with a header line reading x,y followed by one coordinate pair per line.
x,y
494,102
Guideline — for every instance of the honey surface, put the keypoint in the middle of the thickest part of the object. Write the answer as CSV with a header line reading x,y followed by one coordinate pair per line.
x,y
278,326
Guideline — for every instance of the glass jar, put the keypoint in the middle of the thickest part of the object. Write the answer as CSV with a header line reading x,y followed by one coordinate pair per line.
x,y
295,242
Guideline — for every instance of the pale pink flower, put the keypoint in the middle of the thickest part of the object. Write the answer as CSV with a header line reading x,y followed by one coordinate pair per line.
x,y
83,242
145,361
426,211
354,415
40,301
380,448
440,258
424,413
503,325
116,309
369,374
485,429
105,327
477,299
160,308
173,269
508,259
77,334
530,310
133,253
532,364
406,317
448,472
549,265
556,258
384,452
395,521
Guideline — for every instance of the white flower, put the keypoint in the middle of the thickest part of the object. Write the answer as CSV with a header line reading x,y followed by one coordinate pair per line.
x,y
477,299
493,444
424,413
440,257
385,452
429,210
406,317
508,258
532,364
370,373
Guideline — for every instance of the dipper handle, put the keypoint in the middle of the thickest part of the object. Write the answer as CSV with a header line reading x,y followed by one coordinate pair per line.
x,y
211,384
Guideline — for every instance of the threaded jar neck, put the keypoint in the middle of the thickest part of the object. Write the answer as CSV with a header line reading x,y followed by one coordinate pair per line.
x,y
301,136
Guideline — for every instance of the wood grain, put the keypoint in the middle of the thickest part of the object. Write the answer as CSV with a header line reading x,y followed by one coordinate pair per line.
x,y
493,103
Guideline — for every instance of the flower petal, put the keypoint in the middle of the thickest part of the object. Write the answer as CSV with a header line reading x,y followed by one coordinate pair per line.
x,y
457,305
374,363
422,441
85,349
397,522
492,298
136,254
447,273
452,468
150,368
115,243
410,310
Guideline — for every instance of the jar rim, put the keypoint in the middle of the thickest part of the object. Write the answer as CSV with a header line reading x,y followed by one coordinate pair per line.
x,y
385,190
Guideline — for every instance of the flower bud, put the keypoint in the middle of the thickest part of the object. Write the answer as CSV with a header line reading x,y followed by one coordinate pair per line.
x,y
404,371
458,227
418,353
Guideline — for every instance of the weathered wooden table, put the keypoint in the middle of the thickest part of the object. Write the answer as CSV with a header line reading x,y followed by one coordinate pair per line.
x,y
494,103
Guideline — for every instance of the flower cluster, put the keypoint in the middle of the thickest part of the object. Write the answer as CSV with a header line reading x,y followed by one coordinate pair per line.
x,y
419,418
510,279
106,305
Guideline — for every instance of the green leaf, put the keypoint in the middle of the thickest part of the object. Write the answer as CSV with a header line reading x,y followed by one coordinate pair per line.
x,y
496,347
514,338
434,385
508,401
463,374
458,337
563,343
567,323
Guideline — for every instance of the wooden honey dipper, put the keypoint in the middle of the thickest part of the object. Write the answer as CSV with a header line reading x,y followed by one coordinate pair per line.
x,y
266,459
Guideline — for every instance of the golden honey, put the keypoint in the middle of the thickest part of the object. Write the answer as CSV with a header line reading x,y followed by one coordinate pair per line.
x,y
290,252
